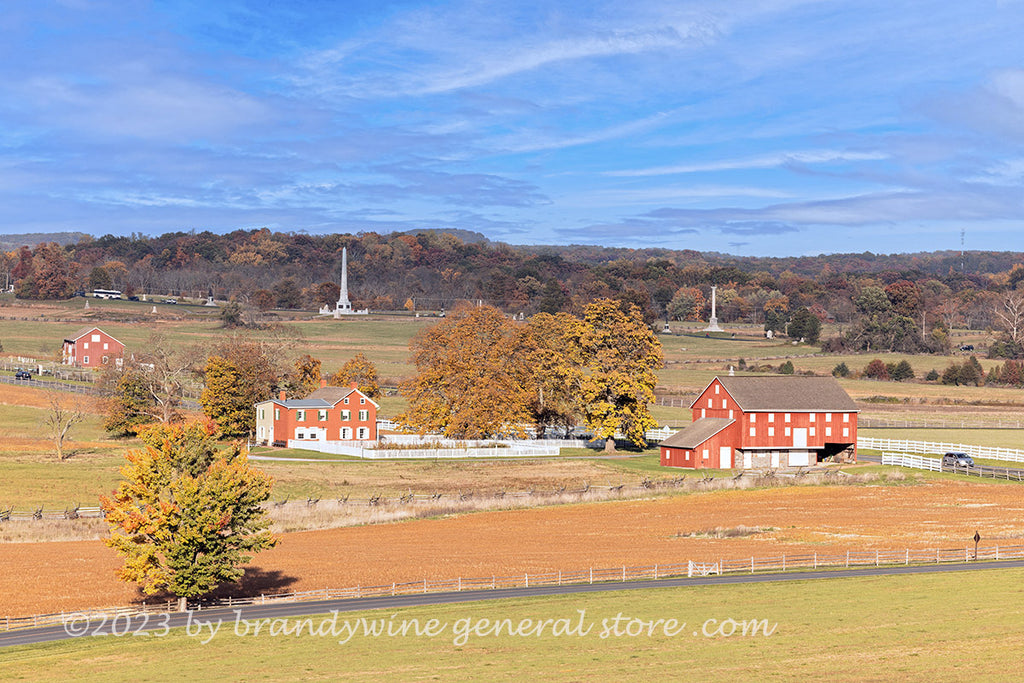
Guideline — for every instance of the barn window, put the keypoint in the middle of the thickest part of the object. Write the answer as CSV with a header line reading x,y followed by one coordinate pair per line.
x,y
787,431
106,346
846,417
85,360
730,414
753,418
785,418
723,404
828,417
706,456
811,431
828,431
812,417
85,345
709,404
771,431
753,432
703,412
95,337
846,431
771,417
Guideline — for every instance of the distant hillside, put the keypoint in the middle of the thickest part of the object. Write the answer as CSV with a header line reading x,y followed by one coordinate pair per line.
x,y
31,239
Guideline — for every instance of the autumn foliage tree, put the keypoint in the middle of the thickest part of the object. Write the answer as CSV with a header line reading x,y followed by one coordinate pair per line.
x,y
240,373
471,377
620,354
362,371
186,516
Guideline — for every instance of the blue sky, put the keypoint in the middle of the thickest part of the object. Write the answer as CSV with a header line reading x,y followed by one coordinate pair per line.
x,y
763,127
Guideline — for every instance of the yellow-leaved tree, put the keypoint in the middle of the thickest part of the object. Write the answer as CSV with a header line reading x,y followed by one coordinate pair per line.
x,y
620,354
186,516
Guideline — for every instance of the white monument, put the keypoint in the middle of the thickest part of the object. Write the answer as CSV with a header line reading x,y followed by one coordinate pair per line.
x,y
343,305
713,322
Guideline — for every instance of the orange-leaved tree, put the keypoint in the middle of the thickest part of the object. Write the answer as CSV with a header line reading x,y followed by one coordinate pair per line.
x,y
360,370
187,515
472,376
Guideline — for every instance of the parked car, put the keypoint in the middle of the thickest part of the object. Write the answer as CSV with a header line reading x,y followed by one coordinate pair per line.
x,y
22,374
170,301
957,459
967,347
133,298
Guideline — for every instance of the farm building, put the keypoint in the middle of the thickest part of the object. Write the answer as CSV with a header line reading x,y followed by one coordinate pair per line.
x,y
91,347
764,422
328,414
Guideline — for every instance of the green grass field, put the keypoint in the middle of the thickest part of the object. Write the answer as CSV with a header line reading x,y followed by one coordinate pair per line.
x,y
962,626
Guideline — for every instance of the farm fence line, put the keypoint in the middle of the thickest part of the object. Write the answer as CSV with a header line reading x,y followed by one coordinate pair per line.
x,y
935,465
928,447
623,573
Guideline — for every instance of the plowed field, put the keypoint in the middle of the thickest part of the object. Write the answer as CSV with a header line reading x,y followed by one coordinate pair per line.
x,y
46,577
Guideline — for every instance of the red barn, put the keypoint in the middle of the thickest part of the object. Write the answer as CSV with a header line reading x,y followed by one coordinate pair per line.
x,y
765,422
91,347
328,414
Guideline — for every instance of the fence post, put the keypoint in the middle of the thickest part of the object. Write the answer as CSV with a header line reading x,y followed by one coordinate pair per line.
x,y
424,585
460,584
908,557
623,572
783,561
847,559
936,556
655,572
997,552
751,564
815,559
527,580
876,558
591,575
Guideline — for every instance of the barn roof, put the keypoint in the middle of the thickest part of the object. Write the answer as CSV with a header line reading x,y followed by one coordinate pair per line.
x,y
787,393
697,432
86,330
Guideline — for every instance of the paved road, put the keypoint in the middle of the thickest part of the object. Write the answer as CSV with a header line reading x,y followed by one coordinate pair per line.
x,y
986,471
158,623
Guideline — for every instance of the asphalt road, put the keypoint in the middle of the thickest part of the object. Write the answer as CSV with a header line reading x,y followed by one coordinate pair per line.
x,y
158,624
986,471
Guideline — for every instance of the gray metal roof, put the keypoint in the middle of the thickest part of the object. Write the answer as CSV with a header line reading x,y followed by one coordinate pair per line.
x,y
697,432
780,393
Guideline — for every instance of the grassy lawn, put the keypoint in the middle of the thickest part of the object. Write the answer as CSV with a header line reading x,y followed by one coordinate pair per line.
x,y
994,438
911,628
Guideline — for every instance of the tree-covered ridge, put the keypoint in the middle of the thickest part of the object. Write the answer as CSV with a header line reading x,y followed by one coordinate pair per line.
x,y
433,270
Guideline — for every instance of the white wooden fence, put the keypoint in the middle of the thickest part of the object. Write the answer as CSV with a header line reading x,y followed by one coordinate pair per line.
x,y
904,446
369,451
915,461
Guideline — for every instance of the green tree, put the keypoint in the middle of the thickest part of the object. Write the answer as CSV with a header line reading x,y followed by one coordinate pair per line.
x,y
362,371
787,368
620,354
130,404
841,370
805,325
186,517
900,371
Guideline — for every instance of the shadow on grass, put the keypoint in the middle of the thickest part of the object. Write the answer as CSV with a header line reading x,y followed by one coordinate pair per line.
x,y
254,582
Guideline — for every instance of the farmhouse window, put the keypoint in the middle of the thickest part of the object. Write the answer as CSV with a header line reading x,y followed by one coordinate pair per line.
x,y
300,435
277,413
363,433
346,415
261,413
345,401
771,431
362,401
346,433
321,415
300,416
364,415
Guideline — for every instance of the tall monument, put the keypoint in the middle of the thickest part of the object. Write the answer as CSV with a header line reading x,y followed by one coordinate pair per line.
x,y
343,305
713,322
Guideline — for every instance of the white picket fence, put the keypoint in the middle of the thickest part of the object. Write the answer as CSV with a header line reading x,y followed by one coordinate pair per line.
x,y
369,452
915,461
905,446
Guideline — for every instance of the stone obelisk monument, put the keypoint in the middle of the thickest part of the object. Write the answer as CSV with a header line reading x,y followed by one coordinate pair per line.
x,y
344,306
713,322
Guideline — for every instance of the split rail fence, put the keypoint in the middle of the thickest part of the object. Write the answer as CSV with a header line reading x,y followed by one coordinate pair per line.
x,y
753,565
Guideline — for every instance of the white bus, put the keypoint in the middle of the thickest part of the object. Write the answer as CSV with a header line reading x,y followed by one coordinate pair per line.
x,y
106,293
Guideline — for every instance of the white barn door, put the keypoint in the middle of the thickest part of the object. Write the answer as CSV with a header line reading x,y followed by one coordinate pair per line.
x,y
724,457
800,437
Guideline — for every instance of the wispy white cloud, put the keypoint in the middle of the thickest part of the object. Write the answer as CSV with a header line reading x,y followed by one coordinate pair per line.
x,y
764,161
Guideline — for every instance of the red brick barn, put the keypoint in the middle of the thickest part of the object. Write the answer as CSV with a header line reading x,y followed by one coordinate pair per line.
x,y
765,423
91,347
328,414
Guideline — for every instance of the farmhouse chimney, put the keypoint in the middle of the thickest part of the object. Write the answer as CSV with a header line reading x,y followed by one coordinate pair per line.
x,y
323,383
355,385
281,395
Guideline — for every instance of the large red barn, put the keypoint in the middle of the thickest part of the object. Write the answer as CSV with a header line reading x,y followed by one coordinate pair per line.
x,y
765,422
91,347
